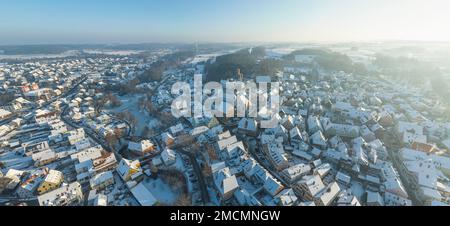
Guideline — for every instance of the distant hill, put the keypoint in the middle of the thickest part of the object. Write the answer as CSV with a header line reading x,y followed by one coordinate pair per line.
x,y
60,48
249,61
57,49
329,60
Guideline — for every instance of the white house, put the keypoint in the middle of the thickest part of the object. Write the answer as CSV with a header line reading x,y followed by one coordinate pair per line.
x,y
168,156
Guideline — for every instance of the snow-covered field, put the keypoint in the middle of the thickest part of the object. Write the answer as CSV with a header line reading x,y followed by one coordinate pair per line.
x,y
162,191
112,52
130,103
40,56
278,52
202,58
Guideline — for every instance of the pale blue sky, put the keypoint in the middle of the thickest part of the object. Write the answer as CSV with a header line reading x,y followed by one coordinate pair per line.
x,y
131,21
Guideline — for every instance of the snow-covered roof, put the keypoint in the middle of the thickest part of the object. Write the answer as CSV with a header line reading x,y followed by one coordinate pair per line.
x,y
199,130
101,178
217,166
88,154
313,184
374,197
225,182
392,182
4,113
286,197
230,184
425,171
244,198
272,185
65,193
222,144
296,171
439,161
125,166
143,195
343,177
140,146
302,154
54,176
431,193
328,194
168,156
318,139
247,124
177,128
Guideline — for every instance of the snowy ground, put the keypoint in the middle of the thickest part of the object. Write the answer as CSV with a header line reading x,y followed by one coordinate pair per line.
x,y
112,52
162,191
130,103
180,166
278,52
202,58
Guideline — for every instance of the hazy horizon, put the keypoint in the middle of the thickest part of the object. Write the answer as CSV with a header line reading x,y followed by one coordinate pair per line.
x,y
26,22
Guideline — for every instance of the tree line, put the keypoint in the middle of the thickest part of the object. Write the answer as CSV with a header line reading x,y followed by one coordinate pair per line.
x,y
250,61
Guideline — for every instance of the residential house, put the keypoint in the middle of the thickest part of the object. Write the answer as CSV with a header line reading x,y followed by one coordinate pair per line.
x,y
345,198
101,180
128,168
248,126
327,195
309,187
168,156
295,172
319,140
272,186
225,183
66,195
52,181
143,195
286,197
142,147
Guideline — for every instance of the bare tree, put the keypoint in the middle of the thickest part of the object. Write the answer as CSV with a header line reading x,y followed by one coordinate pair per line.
x,y
118,133
141,103
194,147
150,107
183,200
148,132
111,139
206,170
211,152
175,179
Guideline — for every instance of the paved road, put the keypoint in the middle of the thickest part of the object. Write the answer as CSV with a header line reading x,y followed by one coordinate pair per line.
x,y
5,199
199,174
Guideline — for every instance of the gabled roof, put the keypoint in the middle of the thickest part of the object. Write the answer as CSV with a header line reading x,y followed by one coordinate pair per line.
x,y
313,184
143,195
327,195
272,185
222,144
318,139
